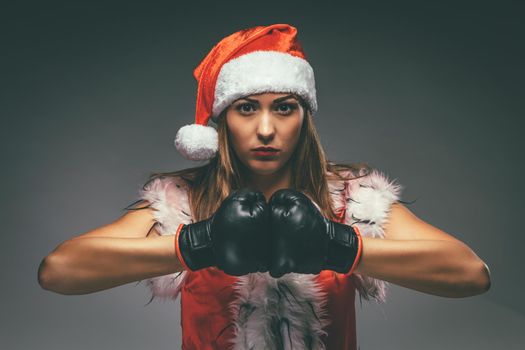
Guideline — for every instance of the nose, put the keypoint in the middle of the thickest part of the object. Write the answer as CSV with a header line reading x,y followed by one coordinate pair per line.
x,y
266,127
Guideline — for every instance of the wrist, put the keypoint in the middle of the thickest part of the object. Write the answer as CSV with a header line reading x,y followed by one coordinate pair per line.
x,y
343,249
357,259
194,245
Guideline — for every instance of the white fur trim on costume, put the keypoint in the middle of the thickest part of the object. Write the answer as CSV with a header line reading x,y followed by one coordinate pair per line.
x,y
197,142
169,199
264,71
368,201
279,313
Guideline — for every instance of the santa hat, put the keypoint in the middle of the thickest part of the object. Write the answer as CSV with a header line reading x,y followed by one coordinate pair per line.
x,y
250,61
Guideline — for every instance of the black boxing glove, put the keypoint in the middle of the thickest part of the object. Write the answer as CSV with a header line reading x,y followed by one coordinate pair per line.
x,y
234,238
304,241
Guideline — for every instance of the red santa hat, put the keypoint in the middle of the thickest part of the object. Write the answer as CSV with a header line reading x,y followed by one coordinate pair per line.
x,y
250,61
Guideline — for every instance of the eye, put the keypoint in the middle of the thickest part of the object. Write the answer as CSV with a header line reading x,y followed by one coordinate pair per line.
x,y
244,108
286,108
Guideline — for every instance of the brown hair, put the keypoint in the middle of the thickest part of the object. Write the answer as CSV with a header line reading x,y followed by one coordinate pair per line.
x,y
212,182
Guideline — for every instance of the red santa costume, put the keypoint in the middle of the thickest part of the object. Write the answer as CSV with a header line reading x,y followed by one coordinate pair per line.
x,y
256,311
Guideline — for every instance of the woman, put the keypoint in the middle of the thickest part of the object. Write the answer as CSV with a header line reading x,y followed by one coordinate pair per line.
x,y
268,241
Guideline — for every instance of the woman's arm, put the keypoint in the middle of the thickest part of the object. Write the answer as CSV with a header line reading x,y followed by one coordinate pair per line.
x,y
109,256
417,255
91,264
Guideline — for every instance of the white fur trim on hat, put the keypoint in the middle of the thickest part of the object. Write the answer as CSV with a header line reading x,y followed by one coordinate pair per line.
x,y
197,142
264,71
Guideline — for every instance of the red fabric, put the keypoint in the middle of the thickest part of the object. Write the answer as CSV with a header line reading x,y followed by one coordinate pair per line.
x,y
205,320
341,332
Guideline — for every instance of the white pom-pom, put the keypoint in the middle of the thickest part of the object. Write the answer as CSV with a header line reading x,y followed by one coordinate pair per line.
x,y
197,142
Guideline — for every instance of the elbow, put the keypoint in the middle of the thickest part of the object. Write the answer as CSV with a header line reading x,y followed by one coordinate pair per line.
x,y
476,281
48,273
483,278
44,274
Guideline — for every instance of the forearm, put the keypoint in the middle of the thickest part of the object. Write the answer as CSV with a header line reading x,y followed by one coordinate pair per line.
x,y
439,267
87,265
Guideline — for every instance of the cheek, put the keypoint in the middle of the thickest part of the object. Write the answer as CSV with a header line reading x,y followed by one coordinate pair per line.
x,y
293,133
237,136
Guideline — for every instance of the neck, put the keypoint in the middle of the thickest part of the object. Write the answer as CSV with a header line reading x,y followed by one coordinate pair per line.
x,y
269,183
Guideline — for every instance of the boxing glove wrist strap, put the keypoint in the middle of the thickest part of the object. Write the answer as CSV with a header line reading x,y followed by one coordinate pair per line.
x,y
344,248
193,245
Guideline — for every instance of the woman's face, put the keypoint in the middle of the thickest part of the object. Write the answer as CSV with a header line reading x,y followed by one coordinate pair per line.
x,y
271,120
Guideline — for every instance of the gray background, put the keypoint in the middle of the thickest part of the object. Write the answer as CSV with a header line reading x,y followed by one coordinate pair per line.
x,y
92,96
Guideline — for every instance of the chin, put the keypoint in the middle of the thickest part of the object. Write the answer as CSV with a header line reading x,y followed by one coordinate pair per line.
x,y
265,169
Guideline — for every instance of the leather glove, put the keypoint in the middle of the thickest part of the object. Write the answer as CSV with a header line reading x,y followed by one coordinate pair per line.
x,y
234,238
304,241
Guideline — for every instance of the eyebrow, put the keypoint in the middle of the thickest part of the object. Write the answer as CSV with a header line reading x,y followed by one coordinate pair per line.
x,y
277,100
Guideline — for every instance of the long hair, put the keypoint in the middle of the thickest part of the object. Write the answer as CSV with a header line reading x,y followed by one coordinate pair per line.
x,y
212,182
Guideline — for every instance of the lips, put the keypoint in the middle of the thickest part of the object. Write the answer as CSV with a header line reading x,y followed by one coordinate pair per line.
x,y
265,151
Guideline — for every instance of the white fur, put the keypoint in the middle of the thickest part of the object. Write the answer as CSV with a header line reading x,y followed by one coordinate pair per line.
x,y
288,312
197,142
264,71
292,305
169,199
368,201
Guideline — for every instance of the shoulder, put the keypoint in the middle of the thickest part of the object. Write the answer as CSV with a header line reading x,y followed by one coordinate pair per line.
x,y
164,187
369,196
365,182
376,184
168,196
371,199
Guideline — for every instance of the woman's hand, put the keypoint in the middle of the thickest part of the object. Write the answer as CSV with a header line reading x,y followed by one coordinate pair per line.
x,y
235,238
304,241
